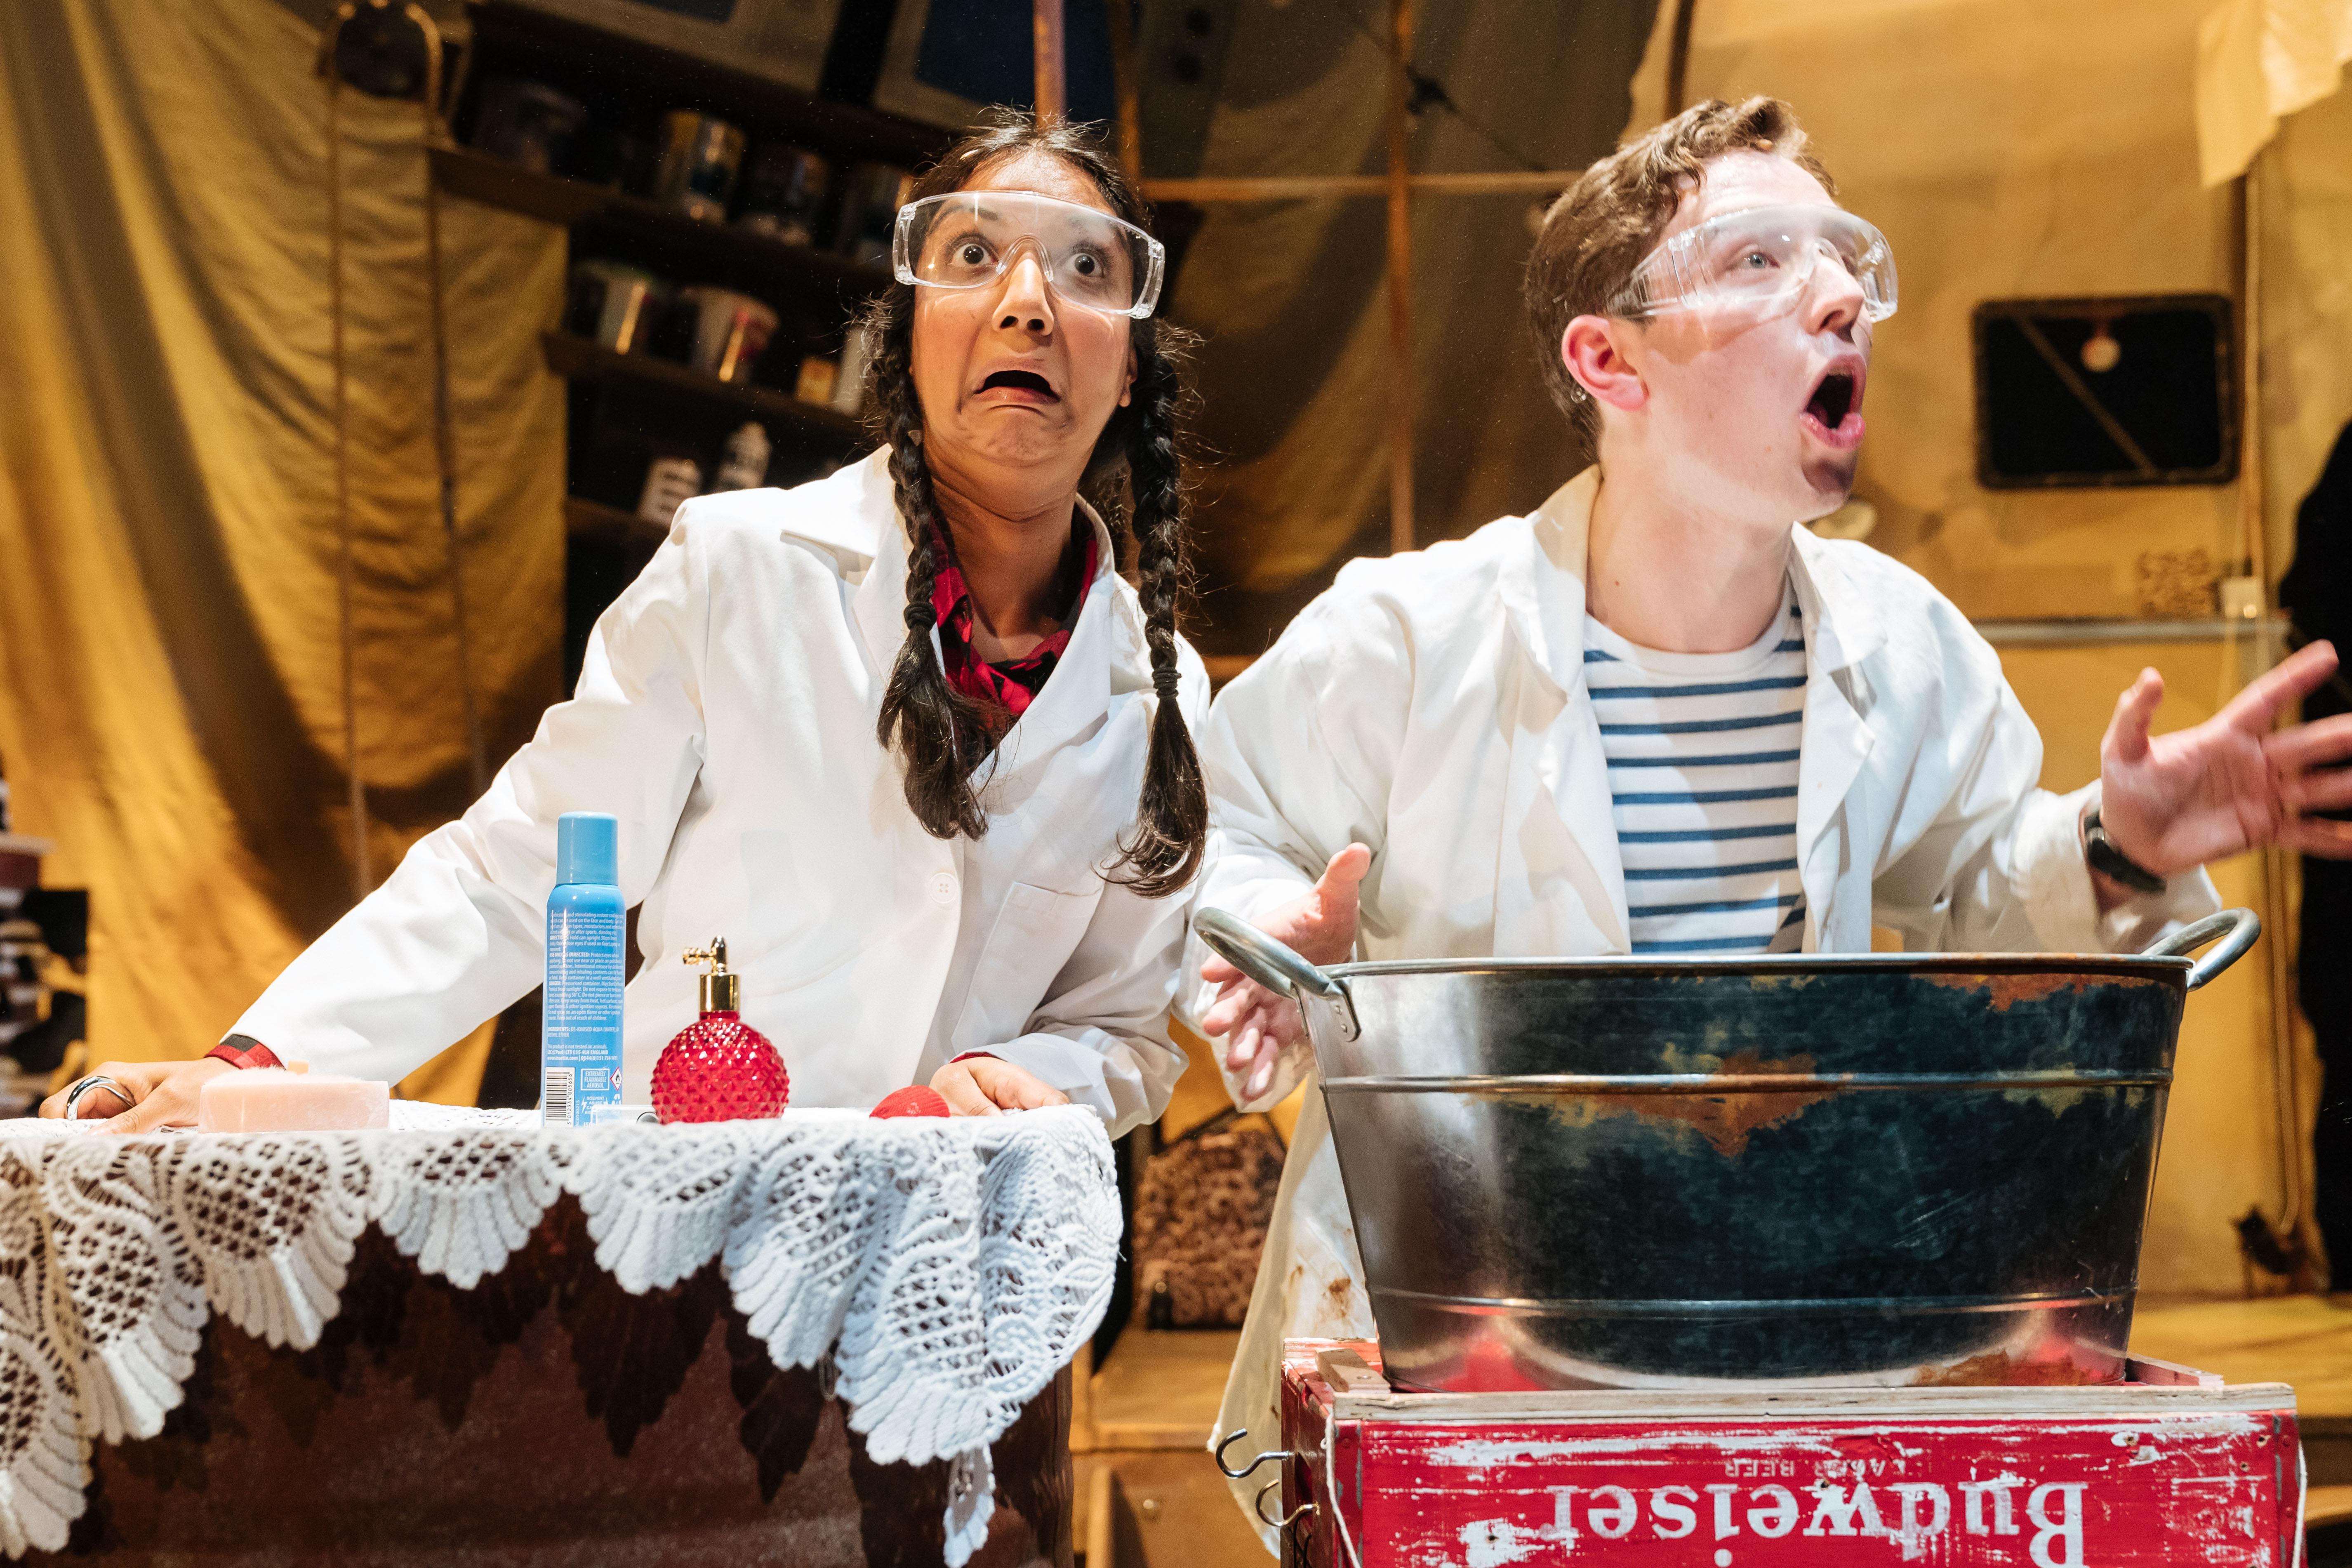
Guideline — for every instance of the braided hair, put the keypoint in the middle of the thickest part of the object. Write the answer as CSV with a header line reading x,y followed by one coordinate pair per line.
x,y
940,733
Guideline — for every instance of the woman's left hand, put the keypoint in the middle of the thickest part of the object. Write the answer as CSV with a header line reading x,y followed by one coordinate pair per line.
x,y
984,1086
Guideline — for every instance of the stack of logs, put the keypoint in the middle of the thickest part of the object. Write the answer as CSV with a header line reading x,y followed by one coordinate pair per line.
x,y
1201,1217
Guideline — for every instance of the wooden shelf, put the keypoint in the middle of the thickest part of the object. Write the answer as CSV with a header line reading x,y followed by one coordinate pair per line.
x,y
685,248
2005,633
576,359
602,525
614,74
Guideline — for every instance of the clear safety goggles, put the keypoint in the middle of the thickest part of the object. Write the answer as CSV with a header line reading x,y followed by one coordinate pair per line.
x,y
1761,261
966,239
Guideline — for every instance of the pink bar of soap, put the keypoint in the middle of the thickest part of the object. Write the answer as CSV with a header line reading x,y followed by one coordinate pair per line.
x,y
265,1099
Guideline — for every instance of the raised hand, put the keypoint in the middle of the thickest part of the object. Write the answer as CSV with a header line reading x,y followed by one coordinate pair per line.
x,y
2232,784
1321,927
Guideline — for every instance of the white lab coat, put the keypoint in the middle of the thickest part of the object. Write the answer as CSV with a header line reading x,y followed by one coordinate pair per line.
x,y
726,715
1432,706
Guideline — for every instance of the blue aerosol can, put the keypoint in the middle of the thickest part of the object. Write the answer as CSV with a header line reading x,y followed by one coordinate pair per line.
x,y
580,1015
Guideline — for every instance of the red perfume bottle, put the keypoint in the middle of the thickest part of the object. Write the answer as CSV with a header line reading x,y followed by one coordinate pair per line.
x,y
719,1068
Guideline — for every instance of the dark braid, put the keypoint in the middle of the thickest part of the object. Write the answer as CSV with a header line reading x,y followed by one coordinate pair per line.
x,y
1172,815
939,732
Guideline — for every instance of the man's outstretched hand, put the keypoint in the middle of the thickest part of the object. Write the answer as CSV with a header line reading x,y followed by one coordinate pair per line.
x,y
1319,927
2175,802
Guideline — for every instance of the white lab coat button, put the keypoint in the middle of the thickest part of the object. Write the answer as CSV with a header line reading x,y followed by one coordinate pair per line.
x,y
944,888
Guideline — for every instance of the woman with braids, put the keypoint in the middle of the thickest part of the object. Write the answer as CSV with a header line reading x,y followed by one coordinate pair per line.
x,y
903,736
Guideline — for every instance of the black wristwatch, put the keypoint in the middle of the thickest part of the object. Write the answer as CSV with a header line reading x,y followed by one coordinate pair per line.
x,y
2105,858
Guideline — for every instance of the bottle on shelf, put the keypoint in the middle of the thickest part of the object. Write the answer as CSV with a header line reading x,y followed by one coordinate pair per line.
x,y
699,159
783,192
817,378
670,483
744,465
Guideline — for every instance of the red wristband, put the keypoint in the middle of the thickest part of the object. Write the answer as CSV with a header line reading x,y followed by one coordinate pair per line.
x,y
254,1054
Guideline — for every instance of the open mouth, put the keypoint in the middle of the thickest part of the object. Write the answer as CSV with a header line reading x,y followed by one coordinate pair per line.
x,y
1027,380
1834,413
1833,399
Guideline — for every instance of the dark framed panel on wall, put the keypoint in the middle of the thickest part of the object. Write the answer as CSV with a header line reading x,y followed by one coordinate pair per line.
x,y
2106,391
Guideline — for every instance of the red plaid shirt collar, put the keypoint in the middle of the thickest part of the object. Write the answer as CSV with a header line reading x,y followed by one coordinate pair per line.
x,y
1014,683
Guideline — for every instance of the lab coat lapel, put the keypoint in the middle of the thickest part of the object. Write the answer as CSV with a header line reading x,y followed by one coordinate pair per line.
x,y
1559,882
879,606
1842,627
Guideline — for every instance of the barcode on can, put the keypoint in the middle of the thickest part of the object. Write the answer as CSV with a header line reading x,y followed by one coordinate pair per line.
x,y
555,1104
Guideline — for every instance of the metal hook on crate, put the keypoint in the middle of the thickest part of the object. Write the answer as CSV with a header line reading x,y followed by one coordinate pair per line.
x,y
1257,1506
1236,1436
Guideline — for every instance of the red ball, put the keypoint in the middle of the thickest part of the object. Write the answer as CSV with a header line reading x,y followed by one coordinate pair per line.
x,y
719,1068
920,1101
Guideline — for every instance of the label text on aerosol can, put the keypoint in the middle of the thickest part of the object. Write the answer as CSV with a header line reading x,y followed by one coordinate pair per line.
x,y
580,1054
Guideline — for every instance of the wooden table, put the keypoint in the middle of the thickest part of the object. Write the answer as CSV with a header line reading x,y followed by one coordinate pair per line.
x,y
546,1416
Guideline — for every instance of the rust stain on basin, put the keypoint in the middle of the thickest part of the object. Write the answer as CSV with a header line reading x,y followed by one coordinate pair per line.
x,y
1780,982
2005,991
2000,1369
1725,1121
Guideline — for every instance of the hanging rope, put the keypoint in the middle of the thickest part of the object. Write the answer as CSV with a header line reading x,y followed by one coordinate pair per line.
x,y
362,881
445,440
444,436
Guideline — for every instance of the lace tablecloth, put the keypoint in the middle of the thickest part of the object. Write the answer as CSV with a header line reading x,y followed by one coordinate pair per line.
x,y
949,1266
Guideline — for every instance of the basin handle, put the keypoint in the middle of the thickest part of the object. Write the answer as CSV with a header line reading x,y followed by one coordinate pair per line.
x,y
1236,1436
2237,929
1269,962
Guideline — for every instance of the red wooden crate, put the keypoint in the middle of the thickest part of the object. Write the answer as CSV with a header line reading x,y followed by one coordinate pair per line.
x,y
2171,1469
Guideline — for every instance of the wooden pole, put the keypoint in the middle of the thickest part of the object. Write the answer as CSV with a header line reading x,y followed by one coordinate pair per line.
x,y
1400,193
2250,353
1045,32
1121,23
1678,57
1314,187
2255,527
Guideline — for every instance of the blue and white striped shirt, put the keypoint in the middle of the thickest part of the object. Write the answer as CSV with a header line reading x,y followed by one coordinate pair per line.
x,y
1702,753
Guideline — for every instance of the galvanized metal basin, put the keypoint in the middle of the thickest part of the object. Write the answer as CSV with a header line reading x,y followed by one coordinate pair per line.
x,y
1631,1172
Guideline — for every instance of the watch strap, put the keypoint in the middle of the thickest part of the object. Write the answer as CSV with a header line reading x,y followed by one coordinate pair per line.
x,y
243,1051
2106,860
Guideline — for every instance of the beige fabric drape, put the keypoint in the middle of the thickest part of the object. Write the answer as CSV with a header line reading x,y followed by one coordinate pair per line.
x,y
1292,295
170,675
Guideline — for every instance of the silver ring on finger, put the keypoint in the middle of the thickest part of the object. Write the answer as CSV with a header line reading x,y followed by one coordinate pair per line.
x,y
96,1081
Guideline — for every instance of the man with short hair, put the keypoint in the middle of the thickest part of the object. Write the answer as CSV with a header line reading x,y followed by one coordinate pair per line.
x,y
1656,716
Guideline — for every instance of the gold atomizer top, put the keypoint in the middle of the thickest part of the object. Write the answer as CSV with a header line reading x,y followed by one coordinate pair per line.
x,y
721,992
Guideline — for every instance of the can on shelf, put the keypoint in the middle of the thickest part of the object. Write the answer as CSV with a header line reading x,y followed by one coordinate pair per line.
x,y
783,191
615,305
700,157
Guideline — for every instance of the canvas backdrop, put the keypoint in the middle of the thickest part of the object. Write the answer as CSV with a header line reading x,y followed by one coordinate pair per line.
x,y
170,670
